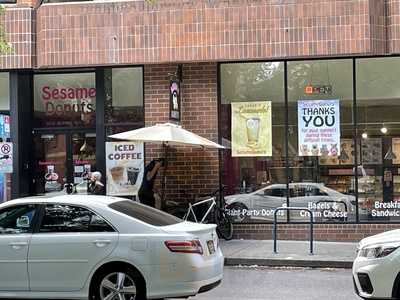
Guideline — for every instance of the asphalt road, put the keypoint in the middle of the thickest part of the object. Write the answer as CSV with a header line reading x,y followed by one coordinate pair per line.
x,y
282,284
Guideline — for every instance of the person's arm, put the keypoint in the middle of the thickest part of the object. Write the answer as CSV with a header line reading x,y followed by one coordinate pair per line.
x,y
153,172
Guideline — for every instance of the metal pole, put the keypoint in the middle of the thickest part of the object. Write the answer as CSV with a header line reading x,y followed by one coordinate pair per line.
x,y
311,233
274,230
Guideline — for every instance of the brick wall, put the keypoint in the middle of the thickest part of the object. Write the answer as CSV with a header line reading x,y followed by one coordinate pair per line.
x,y
19,23
89,33
393,25
322,232
195,170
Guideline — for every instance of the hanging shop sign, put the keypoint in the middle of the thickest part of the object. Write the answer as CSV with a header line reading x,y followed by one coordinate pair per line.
x,y
319,127
124,164
6,158
175,101
251,129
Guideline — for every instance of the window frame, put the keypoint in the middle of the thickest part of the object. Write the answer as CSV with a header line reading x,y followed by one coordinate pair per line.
x,y
42,211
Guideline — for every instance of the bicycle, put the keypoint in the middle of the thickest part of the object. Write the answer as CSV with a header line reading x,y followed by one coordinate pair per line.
x,y
213,214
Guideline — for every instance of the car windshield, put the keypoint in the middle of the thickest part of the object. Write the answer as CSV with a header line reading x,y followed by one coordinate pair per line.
x,y
145,213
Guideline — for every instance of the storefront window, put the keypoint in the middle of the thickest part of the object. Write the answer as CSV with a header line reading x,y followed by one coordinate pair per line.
x,y
64,100
320,143
4,91
124,98
252,115
378,110
5,178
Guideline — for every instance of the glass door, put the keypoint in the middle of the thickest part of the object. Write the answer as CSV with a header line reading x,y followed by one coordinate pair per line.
x,y
50,163
61,158
83,159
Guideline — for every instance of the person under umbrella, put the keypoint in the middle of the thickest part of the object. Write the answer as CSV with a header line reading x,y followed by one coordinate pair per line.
x,y
146,190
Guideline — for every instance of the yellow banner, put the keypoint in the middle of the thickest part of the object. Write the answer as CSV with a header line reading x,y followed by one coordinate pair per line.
x,y
251,128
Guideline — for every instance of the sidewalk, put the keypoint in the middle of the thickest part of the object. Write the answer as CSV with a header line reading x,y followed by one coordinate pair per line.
x,y
290,253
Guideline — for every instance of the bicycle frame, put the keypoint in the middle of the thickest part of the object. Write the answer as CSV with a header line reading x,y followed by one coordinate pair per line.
x,y
191,211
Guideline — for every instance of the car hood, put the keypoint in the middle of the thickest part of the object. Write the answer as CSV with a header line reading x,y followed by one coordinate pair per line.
x,y
385,237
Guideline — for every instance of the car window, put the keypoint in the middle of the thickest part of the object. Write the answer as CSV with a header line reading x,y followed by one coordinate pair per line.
x,y
69,218
145,213
275,192
17,219
297,192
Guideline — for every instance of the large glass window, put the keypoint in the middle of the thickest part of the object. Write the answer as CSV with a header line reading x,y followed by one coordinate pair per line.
x,y
320,139
5,178
65,100
4,91
253,109
124,99
378,111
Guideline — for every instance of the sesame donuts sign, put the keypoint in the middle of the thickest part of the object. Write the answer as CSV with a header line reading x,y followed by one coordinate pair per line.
x,y
63,100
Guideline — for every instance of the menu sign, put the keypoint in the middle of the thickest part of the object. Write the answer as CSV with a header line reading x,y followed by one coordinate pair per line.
x,y
319,127
251,129
124,164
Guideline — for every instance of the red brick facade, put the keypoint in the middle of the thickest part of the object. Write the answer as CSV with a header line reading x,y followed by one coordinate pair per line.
x,y
199,34
19,23
322,232
169,31
190,169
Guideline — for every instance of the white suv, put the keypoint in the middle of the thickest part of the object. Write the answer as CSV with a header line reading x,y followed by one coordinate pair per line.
x,y
376,270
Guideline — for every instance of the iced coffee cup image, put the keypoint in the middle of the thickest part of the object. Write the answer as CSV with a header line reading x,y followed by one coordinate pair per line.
x,y
132,174
117,174
253,131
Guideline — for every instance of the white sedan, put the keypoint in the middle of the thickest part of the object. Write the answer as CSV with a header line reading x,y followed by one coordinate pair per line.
x,y
97,247
326,203
376,270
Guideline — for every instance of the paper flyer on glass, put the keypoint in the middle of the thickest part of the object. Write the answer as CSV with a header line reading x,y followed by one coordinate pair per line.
x,y
251,129
319,127
124,168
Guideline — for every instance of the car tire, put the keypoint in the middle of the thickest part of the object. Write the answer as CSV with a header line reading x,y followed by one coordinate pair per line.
x,y
237,206
127,278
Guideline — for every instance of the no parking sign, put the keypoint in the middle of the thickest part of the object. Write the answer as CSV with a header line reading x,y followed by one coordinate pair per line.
x,y
6,161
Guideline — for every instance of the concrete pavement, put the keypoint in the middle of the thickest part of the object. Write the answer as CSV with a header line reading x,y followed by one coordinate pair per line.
x,y
262,283
290,253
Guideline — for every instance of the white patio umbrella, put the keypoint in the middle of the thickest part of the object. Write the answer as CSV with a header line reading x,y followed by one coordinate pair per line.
x,y
167,134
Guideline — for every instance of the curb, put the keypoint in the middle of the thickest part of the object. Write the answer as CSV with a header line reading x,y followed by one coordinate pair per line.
x,y
288,263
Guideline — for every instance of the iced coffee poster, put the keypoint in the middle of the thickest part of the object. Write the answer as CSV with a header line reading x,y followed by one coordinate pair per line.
x,y
124,167
251,129
319,127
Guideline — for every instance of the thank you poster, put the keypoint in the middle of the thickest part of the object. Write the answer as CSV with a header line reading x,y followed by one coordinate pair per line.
x,y
125,165
251,128
319,127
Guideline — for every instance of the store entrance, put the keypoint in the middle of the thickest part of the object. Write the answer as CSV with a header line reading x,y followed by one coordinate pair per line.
x,y
60,158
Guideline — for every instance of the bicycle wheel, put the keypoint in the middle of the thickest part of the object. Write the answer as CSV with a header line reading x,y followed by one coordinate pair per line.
x,y
224,224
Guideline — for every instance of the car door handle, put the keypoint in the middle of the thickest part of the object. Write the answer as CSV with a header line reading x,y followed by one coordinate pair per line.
x,y
18,245
101,243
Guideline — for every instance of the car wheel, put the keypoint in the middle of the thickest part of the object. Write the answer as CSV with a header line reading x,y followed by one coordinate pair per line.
x,y
119,283
238,218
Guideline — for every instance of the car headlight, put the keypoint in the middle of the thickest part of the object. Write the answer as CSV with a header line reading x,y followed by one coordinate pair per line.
x,y
378,251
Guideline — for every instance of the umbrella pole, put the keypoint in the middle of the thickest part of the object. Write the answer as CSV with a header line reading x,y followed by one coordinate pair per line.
x,y
164,179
